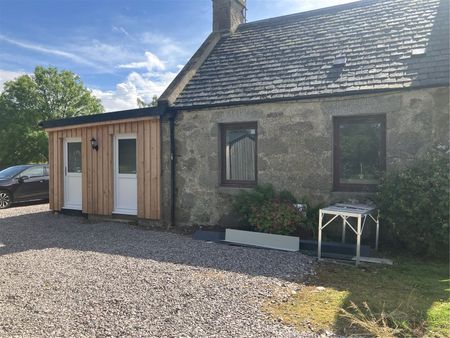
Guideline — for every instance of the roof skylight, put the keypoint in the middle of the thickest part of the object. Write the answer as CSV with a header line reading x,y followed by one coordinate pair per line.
x,y
418,51
340,60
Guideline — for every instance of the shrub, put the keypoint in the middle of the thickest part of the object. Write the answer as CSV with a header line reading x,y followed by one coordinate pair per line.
x,y
265,210
286,197
311,221
246,201
276,217
414,204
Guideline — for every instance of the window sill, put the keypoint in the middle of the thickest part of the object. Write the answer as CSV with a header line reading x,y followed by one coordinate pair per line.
x,y
356,188
350,193
232,190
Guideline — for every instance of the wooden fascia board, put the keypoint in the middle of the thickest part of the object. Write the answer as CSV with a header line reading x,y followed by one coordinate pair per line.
x,y
86,125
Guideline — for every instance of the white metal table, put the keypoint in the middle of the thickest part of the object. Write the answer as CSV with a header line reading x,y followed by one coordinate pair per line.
x,y
345,211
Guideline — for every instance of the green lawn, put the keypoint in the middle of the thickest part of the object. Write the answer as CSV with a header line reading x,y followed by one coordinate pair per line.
x,y
414,296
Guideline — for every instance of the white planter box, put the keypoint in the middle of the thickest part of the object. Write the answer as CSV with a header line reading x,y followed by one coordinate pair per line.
x,y
279,242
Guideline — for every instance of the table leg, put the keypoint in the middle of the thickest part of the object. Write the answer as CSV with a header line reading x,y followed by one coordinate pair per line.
x,y
319,243
358,241
343,228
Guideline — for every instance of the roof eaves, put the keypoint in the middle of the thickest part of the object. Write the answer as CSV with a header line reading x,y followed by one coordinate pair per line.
x,y
103,117
187,73
305,97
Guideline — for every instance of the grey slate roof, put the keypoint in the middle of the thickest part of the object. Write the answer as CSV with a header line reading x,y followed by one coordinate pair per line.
x,y
292,56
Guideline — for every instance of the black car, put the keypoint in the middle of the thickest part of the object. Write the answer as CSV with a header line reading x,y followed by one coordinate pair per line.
x,y
23,183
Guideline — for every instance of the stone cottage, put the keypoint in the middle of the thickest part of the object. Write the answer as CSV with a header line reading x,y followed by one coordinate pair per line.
x,y
303,86
320,103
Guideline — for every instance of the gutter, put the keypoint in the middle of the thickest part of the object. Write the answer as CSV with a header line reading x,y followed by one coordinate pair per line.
x,y
342,94
111,117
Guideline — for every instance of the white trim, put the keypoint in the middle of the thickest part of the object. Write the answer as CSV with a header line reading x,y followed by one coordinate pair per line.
x,y
118,210
71,206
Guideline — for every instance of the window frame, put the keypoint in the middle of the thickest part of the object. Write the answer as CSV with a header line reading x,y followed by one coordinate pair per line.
x,y
337,121
135,156
223,129
74,141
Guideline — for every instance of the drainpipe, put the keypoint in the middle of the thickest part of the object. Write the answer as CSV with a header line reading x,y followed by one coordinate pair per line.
x,y
171,114
172,167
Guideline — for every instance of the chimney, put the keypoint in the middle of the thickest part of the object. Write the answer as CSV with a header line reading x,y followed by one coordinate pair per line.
x,y
228,15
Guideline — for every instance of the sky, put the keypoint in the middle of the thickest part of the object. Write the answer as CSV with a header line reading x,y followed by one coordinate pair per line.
x,y
121,49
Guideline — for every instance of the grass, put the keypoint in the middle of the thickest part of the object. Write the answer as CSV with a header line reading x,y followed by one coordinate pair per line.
x,y
410,297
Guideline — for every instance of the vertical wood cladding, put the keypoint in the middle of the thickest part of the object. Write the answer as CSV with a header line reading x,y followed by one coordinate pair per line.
x,y
98,166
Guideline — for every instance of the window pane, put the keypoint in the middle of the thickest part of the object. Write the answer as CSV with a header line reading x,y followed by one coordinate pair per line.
x,y
360,152
33,172
127,156
239,151
74,157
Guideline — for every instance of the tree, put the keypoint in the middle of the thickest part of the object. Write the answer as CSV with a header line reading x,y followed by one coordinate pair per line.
x,y
46,94
142,104
154,102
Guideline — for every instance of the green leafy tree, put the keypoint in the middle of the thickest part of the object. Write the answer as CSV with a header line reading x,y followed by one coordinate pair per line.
x,y
46,94
154,101
142,104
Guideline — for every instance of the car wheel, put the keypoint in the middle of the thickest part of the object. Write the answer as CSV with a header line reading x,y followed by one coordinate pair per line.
x,y
5,199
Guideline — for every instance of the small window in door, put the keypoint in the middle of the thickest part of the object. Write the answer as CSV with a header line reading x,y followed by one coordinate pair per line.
x,y
127,156
37,171
74,157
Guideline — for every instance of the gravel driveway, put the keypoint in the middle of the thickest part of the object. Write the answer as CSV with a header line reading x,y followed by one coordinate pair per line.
x,y
64,276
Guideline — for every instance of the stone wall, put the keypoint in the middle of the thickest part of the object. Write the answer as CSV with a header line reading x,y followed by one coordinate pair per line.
x,y
294,147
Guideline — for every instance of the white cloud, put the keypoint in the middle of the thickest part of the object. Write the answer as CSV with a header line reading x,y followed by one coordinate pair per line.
x,y
7,75
100,56
142,86
108,57
165,44
46,50
152,62
122,30
105,56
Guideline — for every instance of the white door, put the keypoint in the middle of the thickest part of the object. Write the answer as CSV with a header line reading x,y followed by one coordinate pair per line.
x,y
72,173
125,187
